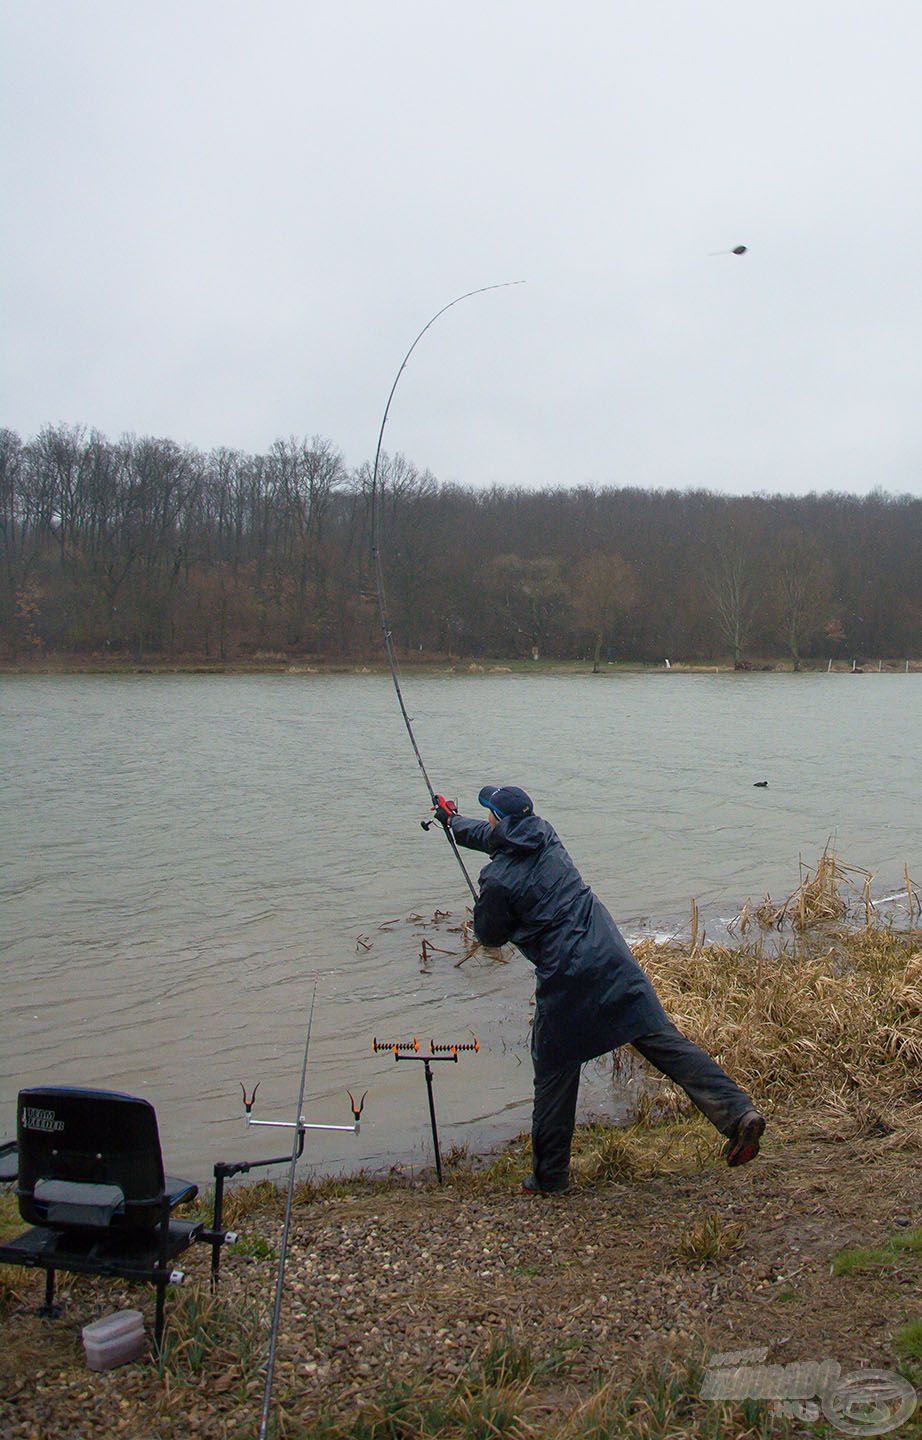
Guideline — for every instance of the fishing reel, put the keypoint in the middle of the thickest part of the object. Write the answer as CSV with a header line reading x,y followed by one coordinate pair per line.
x,y
440,803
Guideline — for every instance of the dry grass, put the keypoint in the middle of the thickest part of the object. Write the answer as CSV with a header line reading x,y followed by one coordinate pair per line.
x,y
710,1238
660,1403
649,1147
832,893
821,896
838,1030
601,1155
217,1333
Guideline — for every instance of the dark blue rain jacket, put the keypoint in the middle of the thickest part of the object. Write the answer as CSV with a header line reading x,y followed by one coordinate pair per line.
x,y
590,994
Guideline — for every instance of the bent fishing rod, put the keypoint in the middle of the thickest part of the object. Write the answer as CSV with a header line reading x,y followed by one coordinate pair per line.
x,y
379,569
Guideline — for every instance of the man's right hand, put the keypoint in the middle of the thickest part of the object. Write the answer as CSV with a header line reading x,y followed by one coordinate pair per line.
x,y
443,810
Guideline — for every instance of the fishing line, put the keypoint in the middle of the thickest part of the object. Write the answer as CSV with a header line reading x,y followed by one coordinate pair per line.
x,y
379,569
283,1247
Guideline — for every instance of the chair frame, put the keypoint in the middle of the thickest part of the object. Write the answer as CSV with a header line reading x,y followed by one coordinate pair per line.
x,y
144,1240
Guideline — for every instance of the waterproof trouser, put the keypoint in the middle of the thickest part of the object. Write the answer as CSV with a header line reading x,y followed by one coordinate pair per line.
x,y
554,1113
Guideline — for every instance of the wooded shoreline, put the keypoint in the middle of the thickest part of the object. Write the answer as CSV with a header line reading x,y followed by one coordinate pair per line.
x,y
145,549
64,664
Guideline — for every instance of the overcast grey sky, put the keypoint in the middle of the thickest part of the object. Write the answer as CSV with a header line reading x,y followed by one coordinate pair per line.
x,y
225,222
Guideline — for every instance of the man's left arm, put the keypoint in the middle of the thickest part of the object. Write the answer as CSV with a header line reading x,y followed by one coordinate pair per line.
x,y
494,918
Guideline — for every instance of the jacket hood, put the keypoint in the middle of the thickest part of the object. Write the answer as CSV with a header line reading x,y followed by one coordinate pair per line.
x,y
522,833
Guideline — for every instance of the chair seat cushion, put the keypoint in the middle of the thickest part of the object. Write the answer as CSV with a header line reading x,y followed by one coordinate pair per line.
x,y
69,1202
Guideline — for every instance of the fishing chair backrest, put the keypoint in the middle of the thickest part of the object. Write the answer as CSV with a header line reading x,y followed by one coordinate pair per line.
x,y
88,1159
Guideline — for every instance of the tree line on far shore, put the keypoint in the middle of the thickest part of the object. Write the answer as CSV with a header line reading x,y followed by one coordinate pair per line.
x,y
139,547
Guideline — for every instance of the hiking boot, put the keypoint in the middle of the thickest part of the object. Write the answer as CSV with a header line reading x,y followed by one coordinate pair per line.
x,y
530,1186
743,1144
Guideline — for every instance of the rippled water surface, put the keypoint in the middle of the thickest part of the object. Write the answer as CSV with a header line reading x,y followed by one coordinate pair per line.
x,y
180,853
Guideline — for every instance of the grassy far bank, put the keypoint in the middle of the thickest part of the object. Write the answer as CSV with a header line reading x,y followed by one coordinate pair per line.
x,y
413,1311
272,663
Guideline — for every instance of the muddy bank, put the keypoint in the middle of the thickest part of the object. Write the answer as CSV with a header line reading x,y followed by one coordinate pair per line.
x,y
676,1260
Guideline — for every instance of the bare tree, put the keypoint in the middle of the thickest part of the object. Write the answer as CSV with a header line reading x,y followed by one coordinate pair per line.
x,y
803,581
529,596
10,501
603,589
730,587
305,475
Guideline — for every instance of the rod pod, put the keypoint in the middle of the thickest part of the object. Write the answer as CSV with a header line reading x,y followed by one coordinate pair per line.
x,y
399,1051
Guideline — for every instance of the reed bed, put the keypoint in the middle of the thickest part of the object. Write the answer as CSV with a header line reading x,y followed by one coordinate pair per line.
x,y
835,892
830,1019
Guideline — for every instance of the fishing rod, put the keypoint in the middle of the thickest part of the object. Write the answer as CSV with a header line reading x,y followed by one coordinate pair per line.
x,y
379,569
299,1125
224,1170
296,1148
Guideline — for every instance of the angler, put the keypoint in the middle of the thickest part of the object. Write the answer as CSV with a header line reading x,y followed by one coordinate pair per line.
x,y
591,995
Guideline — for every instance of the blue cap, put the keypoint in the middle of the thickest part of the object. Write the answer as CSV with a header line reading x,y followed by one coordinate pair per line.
x,y
506,801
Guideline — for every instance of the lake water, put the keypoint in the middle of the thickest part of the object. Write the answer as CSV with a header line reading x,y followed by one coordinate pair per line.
x,y
180,853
